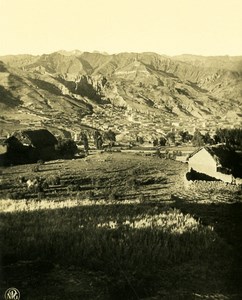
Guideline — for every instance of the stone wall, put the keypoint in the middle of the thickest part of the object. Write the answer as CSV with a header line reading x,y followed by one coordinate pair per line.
x,y
204,185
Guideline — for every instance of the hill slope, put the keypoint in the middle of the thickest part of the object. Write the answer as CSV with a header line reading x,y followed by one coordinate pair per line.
x,y
70,85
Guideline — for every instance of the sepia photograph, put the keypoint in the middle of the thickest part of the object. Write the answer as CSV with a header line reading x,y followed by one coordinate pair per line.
x,y
121,150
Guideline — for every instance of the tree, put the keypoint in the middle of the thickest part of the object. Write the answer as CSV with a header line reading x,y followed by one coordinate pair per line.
x,y
171,137
162,141
198,139
231,137
110,136
84,140
66,148
98,140
140,139
207,139
155,142
185,136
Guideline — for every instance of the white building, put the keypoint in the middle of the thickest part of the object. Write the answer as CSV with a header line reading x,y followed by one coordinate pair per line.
x,y
214,161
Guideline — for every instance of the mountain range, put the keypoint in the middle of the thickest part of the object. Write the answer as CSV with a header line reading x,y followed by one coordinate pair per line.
x,y
70,85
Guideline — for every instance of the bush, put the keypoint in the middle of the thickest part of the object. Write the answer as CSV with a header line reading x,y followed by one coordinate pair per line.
x,y
15,195
138,171
73,187
53,180
41,195
142,198
35,168
90,195
132,183
22,179
114,195
45,185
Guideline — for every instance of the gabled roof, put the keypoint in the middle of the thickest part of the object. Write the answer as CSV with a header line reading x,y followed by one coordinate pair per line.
x,y
38,138
223,156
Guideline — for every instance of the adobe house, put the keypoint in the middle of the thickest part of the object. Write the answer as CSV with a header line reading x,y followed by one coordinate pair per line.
x,y
29,146
218,162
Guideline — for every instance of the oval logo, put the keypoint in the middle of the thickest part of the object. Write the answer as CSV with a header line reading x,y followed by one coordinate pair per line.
x,y
12,294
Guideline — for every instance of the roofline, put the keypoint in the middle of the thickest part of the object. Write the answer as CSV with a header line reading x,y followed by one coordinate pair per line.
x,y
199,149
195,152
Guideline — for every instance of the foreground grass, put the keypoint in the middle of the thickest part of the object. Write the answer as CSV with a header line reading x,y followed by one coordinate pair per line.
x,y
135,250
99,176
118,226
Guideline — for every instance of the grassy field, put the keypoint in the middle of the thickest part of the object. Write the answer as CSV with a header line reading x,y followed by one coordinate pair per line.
x,y
100,175
118,226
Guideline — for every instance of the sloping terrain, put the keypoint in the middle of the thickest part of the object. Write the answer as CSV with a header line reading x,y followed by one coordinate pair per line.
x,y
73,84
119,226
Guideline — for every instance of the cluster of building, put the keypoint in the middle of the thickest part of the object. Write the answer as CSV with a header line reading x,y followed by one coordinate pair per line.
x,y
150,125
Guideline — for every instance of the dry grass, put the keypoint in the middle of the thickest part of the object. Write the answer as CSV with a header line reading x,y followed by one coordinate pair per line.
x,y
111,221
121,175
133,247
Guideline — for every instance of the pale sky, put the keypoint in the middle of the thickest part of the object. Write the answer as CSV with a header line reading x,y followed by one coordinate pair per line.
x,y
171,27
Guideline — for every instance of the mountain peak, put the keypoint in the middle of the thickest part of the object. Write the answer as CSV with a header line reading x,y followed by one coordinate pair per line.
x,y
70,53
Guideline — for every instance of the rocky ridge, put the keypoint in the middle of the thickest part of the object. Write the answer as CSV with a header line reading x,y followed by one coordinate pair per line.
x,y
73,84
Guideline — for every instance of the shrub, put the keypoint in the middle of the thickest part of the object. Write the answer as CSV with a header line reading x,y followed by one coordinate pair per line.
x,y
22,179
36,168
53,180
15,195
45,185
41,195
90,195
73,187
142,198
114,195
138,171
131,183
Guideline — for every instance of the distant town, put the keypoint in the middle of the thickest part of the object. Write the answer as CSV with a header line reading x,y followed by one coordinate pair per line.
x,y
127,124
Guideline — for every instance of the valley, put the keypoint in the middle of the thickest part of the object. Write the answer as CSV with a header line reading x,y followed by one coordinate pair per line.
x,y
150,92
119,221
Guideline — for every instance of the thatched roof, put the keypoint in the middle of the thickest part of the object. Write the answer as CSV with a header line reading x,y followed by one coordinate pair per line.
x,y
40,138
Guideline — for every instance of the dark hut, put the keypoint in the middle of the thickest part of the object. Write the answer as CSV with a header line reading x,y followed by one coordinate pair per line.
x,y
30,146
38,139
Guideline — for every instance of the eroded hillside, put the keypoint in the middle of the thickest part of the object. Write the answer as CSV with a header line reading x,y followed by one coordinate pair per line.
x,y
73,84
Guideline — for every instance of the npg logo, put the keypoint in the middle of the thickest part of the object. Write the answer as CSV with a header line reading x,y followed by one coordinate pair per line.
x,y
12,294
